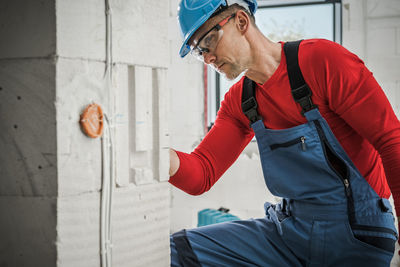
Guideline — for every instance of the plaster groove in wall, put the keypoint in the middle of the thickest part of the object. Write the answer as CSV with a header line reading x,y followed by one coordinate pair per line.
x,y
140,65
80,193
114,63
50,56
383,17
55,57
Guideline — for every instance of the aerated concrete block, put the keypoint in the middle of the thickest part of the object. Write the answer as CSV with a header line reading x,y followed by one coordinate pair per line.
x,y
353,26
160,122
381,41
142,175
78,230
142,96
122,130
140,83
379,8
79,83
141,226
137,32
28,231
142,103
382,55
27,28
353,16
81,29
140,35
28,128
385,70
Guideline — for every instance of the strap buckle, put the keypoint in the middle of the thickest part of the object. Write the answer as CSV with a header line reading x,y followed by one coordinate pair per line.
x,y
249,108
302,95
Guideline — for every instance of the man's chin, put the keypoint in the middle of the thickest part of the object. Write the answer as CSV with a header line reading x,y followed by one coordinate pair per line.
x,y
227,72
228,75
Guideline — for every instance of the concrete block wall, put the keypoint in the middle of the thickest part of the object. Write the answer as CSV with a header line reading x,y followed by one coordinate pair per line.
x,y
28,142
28,231
137,96
25,33
370,30
52,64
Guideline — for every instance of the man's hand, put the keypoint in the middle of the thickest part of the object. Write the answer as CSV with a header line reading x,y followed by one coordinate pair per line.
x,y
173,162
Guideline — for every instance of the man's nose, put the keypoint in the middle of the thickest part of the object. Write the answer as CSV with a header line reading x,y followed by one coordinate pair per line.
x,y
209,58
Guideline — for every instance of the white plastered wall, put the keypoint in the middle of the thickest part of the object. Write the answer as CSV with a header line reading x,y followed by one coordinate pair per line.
x,y
371,29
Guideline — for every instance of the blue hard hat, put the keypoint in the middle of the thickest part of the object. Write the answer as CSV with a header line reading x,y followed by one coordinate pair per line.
x,y
193,13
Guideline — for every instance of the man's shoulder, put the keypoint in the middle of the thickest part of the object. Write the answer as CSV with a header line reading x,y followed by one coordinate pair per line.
x,y
316,42
318,54
320,48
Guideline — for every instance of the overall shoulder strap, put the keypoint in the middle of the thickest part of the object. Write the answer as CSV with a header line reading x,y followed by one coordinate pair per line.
x,y
301,92
249,103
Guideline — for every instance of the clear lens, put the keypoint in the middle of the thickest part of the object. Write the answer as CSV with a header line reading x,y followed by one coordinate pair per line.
x,y
207,44
210,40
197,54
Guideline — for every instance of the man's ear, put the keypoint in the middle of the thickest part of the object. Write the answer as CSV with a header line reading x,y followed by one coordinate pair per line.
x,y
242,21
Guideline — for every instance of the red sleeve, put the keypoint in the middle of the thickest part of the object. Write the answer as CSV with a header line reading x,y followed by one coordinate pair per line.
x,y
201,169
353,93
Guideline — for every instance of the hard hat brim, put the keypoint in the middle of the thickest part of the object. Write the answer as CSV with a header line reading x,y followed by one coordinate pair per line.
x,y
185,48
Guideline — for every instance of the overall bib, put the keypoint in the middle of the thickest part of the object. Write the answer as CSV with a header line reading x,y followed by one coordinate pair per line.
x,y
329,215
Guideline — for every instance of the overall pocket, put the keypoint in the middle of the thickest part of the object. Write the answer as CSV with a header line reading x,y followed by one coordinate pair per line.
x,y
375,236
300,140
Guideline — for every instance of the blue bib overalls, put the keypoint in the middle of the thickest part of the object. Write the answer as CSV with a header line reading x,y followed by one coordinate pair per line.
x,y
329,214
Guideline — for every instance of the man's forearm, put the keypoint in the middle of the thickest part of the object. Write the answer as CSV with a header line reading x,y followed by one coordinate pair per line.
x,y
173,162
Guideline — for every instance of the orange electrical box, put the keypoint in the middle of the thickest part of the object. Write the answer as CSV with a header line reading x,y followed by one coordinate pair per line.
x,y
91,121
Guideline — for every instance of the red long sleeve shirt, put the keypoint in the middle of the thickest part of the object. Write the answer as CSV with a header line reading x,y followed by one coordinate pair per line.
x,y
347,96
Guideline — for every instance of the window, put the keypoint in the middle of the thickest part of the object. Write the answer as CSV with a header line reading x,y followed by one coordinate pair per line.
x,y
283,21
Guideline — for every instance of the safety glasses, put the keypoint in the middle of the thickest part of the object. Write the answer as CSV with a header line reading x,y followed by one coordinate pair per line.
x,y
209,41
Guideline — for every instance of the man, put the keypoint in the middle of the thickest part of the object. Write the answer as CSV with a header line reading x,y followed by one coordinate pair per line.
x,y
329,145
